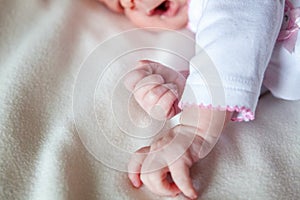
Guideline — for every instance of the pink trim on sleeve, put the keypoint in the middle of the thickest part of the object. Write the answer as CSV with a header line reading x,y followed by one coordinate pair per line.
x,y
241,113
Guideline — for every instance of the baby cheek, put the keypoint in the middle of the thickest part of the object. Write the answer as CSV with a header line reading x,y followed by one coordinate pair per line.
x,y
113,5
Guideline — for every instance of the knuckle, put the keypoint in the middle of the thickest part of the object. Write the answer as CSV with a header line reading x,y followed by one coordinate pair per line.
x,y
157,78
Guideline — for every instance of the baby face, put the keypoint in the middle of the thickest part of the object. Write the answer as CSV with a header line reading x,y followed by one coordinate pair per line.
x,y
172,14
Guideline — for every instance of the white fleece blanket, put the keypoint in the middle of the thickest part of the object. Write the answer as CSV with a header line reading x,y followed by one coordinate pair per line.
x,y
50,149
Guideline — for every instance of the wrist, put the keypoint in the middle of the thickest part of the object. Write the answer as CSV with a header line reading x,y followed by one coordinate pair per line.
x,y
210,122
192,141
206,126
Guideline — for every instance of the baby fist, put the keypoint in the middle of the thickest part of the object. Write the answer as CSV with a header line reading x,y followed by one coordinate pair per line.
x,y
156,88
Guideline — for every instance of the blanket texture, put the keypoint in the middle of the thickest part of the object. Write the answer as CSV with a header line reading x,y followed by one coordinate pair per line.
x,y
49,149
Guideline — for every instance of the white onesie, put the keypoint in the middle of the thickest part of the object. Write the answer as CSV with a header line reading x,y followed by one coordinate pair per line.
x,y
235,41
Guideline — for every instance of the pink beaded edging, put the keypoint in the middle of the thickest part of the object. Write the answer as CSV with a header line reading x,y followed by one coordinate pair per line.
x,y
243,113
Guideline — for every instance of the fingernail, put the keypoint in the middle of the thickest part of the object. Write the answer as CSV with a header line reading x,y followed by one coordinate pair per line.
x,y
135,183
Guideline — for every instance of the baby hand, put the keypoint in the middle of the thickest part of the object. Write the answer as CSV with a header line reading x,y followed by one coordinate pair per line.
x,y
177,151
173,155
156,88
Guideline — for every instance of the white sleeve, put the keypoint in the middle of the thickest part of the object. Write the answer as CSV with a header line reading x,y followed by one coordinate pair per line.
x,y
235,40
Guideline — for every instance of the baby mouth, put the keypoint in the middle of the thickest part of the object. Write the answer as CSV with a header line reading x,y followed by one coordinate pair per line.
x,y
166,8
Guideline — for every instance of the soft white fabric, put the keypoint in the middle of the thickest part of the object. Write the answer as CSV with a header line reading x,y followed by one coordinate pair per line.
x,y
282,76
235,42
42,45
